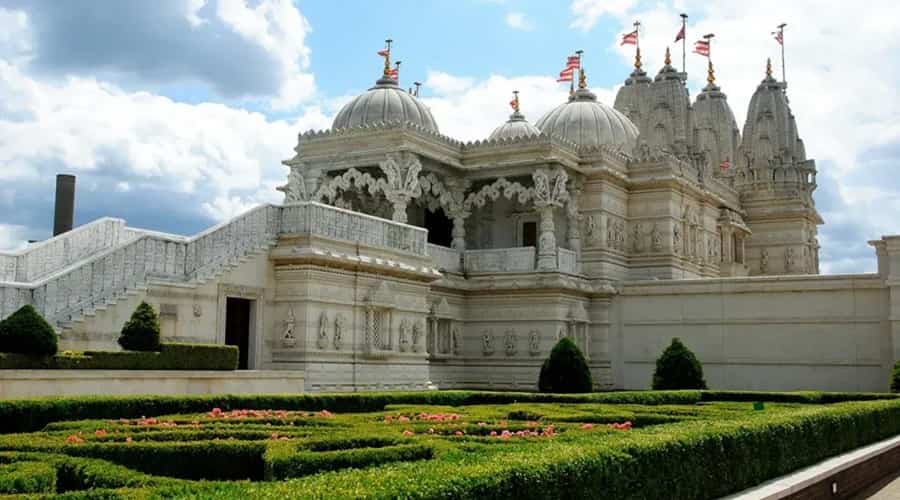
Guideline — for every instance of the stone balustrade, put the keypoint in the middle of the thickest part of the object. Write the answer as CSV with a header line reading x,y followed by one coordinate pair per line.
x,y
445,259
330,222
521,259
567,261
47,257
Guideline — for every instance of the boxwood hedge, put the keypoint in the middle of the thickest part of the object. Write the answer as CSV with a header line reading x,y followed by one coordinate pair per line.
x,y
171,356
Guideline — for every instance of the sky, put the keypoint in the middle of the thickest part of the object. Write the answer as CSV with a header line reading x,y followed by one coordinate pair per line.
x,y
176,114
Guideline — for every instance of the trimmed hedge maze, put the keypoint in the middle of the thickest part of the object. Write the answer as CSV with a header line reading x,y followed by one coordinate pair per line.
x,y
448,444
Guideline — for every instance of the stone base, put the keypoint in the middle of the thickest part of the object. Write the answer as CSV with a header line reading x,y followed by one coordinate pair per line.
x,y
36,383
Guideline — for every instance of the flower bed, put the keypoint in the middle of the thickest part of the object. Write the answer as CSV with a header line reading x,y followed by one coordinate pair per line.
x,y
430,445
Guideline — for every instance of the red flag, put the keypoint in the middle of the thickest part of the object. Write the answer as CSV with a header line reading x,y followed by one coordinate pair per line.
x,y
680,35
630,38
566,75
384,52
701,47
573,62
512,104
394,74
779,37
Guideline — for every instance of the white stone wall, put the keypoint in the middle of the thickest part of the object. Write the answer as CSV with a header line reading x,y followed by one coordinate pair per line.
x,y
778,333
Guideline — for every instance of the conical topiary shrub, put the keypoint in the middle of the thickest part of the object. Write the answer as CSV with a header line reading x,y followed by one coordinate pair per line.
x,y
565,370
141,332
26,332
678,368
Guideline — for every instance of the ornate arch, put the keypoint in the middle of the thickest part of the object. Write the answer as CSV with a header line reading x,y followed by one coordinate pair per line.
x,y
436,194
493,192
330,189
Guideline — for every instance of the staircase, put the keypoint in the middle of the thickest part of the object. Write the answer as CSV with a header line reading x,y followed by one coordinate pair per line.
x,y
132,261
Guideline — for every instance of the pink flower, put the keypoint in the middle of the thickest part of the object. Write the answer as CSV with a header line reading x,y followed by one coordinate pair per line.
x,y
481,424
388,419
74,439
100,432
129,440
408,432
587,426
402,419
493,433
325,414
458,433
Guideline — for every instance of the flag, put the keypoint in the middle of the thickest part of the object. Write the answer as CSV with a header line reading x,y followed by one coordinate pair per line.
x,y
701,47
630,38
779,37
680,35
512,104
725,165
566,75
573,62
394,74
384,52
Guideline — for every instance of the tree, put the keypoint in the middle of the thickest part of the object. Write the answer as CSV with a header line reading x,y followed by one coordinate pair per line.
x,y
895,378
26,332
141,332
678,368
565,370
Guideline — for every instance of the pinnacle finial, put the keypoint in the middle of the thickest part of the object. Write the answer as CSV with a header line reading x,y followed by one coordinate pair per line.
x,y
515,101
387,57
668,60
769,67
711,75
582,79
637,58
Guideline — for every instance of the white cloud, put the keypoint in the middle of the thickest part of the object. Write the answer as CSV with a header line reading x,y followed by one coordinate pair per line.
x,y
588,12
15,37
517,20
12,237
281,29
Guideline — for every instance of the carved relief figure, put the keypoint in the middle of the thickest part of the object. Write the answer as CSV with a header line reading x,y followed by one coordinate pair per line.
x,y
789,260
510,342
592,230
534,342
287,338
322,340
655,238
676,237
764,261
637,246
418,329
340,324
404,335
456,340
487,342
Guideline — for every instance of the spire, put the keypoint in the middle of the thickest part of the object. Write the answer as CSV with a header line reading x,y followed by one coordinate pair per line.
x,y
387,58
668,60
637,59
768,68
582,79
710,75
515,102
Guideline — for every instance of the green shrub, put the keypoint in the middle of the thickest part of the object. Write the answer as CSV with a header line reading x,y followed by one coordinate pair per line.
x,y
895,377
283,462
678,368
26,332
566,370
27,477
141,332
169,357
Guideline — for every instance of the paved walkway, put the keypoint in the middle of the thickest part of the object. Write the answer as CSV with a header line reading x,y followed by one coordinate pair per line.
x,y
886,489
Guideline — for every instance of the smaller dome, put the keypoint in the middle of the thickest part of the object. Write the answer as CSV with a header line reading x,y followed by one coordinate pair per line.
x,y
386,102
516,126
588,122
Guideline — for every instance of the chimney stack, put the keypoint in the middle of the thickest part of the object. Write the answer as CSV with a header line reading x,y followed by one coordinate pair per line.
x,y
64,211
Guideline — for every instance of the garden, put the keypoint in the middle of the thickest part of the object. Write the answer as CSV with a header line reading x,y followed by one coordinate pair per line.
x,y
438,444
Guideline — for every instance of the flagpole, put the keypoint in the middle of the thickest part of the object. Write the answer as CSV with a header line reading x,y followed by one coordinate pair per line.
x,y
781,32
637,44
684,43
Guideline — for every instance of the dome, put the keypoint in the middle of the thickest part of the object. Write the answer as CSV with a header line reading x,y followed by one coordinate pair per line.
x,y
385,102
516,126
588,122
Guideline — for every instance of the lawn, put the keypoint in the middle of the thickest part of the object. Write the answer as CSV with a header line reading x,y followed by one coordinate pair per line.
x,y
448,444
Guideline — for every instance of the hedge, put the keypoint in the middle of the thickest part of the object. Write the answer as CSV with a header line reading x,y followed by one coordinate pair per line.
x,y
170,357
283,461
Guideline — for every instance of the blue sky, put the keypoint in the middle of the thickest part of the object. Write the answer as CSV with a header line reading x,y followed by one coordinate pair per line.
x,y
176,114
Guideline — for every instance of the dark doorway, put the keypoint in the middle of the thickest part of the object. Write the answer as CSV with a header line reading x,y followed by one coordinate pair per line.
x,y
237,327
439,226
529,234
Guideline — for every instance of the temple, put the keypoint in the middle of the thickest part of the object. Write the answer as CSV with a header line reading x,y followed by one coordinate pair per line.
x,y
404,258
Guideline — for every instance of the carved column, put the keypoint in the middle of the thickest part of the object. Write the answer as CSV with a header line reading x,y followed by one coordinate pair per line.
x,y
573,235
402,173
458,213
549,193
303,183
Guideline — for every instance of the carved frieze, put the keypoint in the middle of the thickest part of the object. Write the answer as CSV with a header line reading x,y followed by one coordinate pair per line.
x,y
510,342
487,342
322,337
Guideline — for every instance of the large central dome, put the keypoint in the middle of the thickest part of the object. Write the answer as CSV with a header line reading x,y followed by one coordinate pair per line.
x,y
588,122
383,103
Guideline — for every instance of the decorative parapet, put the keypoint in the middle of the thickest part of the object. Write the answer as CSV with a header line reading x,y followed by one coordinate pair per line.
x,y
500,260
568,261
445,259
335,223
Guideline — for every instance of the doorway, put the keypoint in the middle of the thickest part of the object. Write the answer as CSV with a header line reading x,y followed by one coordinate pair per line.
x,y
439,226
237,327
